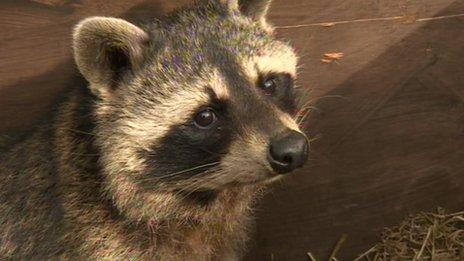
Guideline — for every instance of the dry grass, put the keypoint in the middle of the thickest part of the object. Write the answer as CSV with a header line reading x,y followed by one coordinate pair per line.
x,y
336,249
426,236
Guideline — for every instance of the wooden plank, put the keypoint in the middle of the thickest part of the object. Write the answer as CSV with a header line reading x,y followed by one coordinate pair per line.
x,y
298,12
47,43
392,146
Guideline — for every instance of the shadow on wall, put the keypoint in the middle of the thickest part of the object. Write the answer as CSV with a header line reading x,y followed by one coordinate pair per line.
x,y
391,145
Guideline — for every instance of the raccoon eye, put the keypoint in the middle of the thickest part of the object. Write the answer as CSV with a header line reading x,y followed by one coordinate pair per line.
x,y
269,85
205,118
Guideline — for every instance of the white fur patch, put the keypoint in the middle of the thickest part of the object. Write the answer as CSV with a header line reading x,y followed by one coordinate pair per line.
x,y
278,58
219,86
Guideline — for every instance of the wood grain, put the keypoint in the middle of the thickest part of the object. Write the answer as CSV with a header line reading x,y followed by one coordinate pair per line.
x,y
388,120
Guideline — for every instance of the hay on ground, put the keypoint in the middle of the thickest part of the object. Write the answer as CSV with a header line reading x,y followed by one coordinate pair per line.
x,y
426,236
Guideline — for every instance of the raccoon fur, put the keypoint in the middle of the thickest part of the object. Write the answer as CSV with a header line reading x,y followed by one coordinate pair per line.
x,y
161,152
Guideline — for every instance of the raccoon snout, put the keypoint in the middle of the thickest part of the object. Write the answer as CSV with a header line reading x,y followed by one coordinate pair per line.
x,y
288,151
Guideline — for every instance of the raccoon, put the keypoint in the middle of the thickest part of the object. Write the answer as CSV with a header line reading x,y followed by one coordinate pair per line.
x,y
161,152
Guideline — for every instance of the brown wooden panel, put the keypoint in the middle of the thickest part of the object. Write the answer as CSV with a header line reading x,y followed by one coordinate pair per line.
x,y
393,145
297,12
35,57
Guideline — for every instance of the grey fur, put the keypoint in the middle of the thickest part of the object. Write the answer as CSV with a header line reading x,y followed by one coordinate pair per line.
x,y
86,184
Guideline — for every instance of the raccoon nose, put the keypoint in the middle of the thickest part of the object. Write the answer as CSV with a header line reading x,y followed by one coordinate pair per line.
x,y
288,151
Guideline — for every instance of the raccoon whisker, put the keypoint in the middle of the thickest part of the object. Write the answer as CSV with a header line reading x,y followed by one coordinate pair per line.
x,y
303,101
332,96
301,119
196,185
202,149
314,139
321,98
303,111
190,169
204,176
200,182
185,193
185,188
306,108
168,179
190,189
210,179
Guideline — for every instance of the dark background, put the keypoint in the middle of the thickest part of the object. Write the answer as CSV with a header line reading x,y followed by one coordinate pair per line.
x,y
388,117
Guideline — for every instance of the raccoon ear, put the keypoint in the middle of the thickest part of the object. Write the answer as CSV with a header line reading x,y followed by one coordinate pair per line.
x,y
107,48
254,9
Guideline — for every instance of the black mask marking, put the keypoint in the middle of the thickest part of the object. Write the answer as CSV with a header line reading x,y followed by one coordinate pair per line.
x,y
186,150
283,95
249,108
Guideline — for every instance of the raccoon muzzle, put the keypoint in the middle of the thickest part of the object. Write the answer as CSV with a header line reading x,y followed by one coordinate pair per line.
x,y
288,151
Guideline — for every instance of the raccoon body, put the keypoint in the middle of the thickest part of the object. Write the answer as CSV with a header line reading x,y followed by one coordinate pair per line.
x,y
161,153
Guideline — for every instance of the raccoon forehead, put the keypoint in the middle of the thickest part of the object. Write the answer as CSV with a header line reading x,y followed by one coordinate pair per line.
x,y
160,81
253,55
275,57
191,30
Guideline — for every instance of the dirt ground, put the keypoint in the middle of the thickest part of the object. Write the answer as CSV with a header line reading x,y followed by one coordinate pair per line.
x,y
386,82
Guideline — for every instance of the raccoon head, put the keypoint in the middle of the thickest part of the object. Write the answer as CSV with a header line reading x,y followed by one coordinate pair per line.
x,y
200,101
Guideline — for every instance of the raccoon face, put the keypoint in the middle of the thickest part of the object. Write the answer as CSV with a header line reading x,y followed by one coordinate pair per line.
x,y
201,101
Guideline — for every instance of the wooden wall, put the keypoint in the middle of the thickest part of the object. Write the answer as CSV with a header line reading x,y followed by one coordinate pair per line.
x,y
388,117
